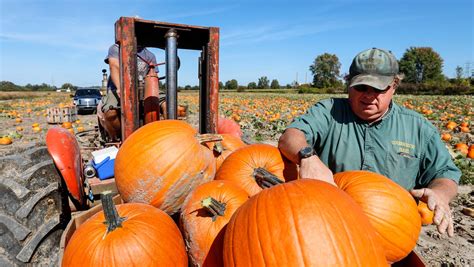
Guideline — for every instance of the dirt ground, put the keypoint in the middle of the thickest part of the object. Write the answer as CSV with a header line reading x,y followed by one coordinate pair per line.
x,y
436,250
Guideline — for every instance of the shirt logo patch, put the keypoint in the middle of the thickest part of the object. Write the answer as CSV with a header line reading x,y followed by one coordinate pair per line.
x,y
402,147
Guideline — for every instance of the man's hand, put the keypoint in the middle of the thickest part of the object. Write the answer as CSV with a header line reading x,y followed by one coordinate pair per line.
x,y
314,168
439,203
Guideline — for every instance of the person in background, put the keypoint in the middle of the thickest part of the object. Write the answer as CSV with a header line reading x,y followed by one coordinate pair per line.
x,y
109,108
368,131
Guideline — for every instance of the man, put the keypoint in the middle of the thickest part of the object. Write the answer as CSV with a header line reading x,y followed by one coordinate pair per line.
x,y
108,109
368,131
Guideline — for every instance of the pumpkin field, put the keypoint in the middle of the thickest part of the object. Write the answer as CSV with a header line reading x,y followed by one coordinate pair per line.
x,y
262,118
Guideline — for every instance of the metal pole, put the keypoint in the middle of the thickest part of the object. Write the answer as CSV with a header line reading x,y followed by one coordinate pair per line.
x,y
171,74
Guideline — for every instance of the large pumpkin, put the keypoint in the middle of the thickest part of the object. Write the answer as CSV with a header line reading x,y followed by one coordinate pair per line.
x,y
204,214
131,234
228,126
160,163
301,223
256,167
391,210
222,149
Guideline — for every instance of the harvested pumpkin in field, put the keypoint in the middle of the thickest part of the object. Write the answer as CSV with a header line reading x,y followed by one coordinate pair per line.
x,y
228,126
18,120
446,137
67,125
6,140
256,167
204,215
19,128
36,129
126,235
34,125
451,125
162,162
425,213
391,210
301,223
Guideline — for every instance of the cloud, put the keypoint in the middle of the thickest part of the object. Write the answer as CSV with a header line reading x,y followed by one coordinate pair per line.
x,y
278,32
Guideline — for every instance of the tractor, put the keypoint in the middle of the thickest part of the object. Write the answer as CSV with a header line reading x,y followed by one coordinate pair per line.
x,y
45,185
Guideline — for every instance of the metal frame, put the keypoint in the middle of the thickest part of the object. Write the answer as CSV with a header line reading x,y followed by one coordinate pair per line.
x,y
130,32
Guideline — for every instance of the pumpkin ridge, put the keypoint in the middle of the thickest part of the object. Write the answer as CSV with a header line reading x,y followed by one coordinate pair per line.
x,y
389,224
347,234
295,224
326,223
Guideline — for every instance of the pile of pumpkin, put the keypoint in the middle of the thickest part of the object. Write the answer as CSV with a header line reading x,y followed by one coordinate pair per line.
x,y
226,203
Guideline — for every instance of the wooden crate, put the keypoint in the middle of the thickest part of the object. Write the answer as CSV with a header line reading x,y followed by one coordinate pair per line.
x,y
60,115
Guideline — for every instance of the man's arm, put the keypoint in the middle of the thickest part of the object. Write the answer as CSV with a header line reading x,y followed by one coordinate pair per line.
x,y
290,143
115,73
437,195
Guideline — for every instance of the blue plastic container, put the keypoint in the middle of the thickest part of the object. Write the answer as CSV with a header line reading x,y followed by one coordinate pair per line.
x,y
105,168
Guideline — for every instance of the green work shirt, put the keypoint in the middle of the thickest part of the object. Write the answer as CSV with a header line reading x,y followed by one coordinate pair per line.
x,y
403,145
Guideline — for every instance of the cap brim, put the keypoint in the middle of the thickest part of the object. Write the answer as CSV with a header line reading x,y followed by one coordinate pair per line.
x,y
378,82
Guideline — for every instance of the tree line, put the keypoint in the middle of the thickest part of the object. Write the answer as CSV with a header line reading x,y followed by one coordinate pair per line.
x,y
422,67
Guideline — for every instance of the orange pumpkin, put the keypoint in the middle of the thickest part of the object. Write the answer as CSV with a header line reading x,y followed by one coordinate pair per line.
x,y
462,147
446,137
67,125
127,235
464,129
204,214
228,126
301,223
6,140
390,208
162,162
451,125
425,213
222,149
256,167
37,129
470,152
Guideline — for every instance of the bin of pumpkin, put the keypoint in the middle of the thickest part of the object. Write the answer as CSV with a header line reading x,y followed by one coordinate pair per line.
x,y
164,163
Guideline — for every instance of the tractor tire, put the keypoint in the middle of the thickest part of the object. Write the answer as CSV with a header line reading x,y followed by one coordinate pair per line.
x,y
34,209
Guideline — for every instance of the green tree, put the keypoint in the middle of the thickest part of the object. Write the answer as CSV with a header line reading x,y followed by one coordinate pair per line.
x,y
421,65
325,69
68,86
275,84
231,84
221,85
252,85
263,82
459,72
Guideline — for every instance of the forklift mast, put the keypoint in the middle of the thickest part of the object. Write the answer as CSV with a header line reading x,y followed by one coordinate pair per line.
x,y
133,32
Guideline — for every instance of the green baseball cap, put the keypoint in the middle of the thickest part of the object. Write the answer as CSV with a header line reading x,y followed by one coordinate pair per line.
x,y
373,67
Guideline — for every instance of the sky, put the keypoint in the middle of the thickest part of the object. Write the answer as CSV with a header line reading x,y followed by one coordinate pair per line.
x,y
55,42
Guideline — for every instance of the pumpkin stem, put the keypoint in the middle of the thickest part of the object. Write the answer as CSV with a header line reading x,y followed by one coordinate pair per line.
x,y
214,207
204,138
265,179
218,148
112,218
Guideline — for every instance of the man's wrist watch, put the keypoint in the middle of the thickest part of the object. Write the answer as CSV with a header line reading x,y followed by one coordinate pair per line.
x,y
305,152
